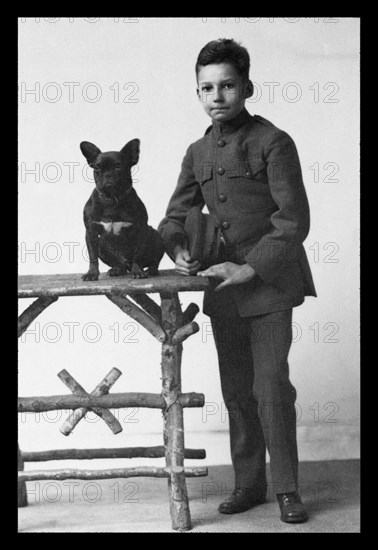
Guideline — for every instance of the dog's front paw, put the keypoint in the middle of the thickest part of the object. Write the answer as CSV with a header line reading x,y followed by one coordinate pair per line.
x,y
92,275
137,272
117,271
153,271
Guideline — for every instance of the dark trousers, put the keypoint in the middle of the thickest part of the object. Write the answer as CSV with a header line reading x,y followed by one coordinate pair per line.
x,y
259,397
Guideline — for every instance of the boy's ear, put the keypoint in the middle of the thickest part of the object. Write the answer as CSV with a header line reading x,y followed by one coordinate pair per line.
x,y
131,151
90,151
249,89
202,96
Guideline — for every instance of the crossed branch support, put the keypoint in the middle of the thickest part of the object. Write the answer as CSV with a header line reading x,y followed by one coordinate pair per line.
x,y
101,389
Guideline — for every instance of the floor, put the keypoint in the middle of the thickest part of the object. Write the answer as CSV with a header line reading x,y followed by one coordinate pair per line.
x,y
330,490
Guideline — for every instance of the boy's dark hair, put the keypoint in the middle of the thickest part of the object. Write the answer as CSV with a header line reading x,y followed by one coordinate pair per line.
x,y
225,50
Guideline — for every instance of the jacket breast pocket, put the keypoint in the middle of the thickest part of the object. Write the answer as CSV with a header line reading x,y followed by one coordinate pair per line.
x,y
248,187
206,180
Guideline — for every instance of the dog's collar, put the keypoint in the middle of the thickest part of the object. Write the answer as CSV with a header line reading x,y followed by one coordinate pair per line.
x,y
102,196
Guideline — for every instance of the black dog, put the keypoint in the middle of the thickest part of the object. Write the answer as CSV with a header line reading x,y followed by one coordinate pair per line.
x,y
116,219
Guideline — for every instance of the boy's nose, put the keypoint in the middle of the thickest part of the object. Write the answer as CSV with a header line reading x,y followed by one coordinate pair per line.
x,y
218,96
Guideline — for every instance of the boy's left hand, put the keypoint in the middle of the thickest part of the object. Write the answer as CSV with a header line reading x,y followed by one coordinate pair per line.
x,y
232,274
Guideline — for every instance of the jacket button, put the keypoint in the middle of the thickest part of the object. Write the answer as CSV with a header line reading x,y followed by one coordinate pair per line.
x,y
248,173
222,197
225,225
221,143
221,171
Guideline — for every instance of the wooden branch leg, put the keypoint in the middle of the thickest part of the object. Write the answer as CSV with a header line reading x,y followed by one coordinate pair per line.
x,y
173,415
21,489
178,494
27,317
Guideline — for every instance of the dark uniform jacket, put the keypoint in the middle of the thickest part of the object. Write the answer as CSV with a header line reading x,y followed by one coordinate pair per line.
x,y
247,172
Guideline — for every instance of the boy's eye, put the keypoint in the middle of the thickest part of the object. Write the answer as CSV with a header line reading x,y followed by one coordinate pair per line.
x,y
207,88
229,85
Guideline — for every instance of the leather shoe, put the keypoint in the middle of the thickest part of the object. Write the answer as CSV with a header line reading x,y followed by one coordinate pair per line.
x,y
240,501
292,509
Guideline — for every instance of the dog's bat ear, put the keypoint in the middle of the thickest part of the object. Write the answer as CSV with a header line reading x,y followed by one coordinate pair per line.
x,y
131,151
90,151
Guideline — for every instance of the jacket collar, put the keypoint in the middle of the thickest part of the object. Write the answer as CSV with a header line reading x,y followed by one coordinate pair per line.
x,y
222,128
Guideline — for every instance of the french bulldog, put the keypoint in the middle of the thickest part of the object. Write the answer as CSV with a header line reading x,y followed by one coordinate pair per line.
x,y
116,219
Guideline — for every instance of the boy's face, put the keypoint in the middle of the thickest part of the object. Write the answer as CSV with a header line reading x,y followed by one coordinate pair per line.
x,y
222,91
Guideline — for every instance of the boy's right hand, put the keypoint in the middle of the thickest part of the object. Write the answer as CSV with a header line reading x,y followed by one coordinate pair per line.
x,y
183,262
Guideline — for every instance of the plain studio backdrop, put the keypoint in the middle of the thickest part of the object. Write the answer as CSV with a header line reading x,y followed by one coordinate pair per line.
x,y
109,80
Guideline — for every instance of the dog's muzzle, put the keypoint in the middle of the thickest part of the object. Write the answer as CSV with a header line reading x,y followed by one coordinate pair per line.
x,y
105,196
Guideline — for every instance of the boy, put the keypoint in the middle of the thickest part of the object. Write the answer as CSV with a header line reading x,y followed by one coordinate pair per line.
x,y
248,174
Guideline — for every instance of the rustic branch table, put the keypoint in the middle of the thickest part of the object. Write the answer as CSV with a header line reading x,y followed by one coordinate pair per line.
x,y
170,326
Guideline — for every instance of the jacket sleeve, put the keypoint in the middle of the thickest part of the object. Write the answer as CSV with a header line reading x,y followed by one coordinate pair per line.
x,y
186,195
290,223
